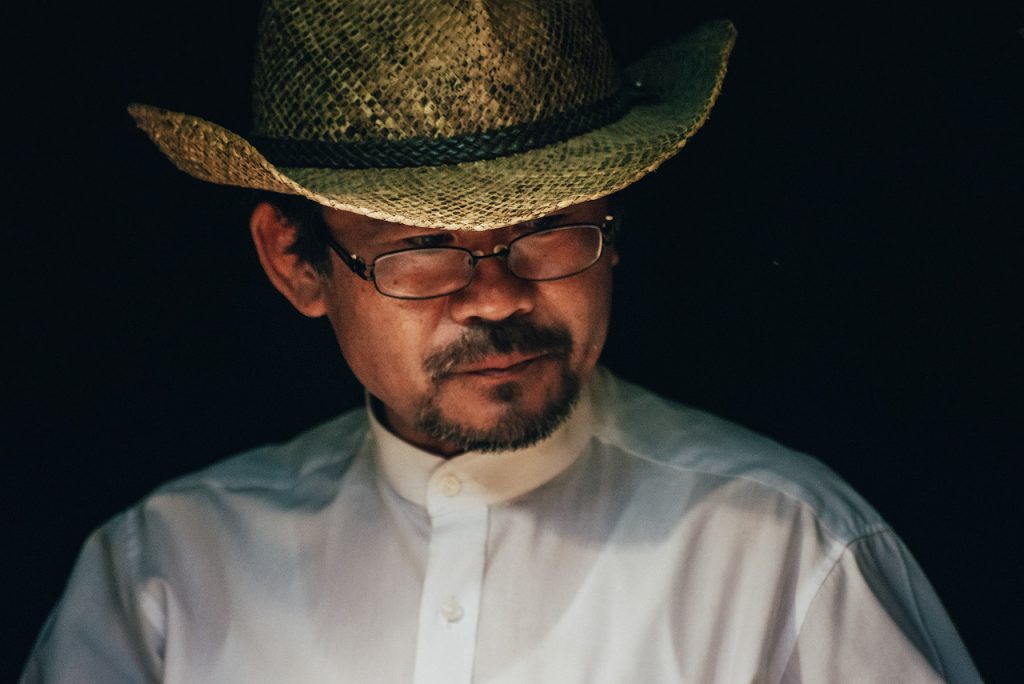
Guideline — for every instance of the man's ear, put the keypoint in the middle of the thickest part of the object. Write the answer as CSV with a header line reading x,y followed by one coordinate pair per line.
x,y
295,278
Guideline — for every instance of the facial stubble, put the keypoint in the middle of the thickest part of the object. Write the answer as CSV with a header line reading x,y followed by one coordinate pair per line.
x,y
518,426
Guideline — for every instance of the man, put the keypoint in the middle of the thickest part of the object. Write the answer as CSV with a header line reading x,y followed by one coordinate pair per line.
x,y
503,509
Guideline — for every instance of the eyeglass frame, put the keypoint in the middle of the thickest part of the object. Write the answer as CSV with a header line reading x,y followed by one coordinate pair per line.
x,y
360,268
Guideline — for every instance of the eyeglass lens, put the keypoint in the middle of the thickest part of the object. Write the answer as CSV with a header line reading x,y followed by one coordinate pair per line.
x,y
423,272
433,272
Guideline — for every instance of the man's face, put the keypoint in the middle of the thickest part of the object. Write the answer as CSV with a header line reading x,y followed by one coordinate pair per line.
x,y
496,365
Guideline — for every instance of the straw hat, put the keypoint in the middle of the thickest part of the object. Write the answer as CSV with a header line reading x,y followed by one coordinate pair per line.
x,y
457,114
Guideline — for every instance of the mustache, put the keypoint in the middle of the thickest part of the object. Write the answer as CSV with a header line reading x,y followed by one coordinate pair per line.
x,y
502,337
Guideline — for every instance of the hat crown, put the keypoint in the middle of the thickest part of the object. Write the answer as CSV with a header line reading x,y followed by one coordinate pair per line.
x,y
363,71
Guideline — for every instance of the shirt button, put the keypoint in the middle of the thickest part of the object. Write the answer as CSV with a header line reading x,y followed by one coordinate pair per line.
x,y
451,611
450,485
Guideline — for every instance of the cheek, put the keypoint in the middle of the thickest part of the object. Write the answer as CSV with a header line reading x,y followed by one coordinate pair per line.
x,y
600,314
584,305
383,341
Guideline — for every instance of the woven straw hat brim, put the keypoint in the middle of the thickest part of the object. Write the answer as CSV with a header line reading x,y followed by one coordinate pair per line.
x,y
685,78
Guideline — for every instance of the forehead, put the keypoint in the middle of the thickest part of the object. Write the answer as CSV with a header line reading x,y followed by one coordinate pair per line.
x,y
356,225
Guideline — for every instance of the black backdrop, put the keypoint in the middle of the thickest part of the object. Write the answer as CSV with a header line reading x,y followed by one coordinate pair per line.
x,y
832,261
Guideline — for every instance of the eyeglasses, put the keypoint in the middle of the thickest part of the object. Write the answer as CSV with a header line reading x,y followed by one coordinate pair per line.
x,y
428,272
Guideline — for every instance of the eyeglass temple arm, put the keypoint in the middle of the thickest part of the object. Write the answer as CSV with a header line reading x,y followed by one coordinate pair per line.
x,y
355,263
610,227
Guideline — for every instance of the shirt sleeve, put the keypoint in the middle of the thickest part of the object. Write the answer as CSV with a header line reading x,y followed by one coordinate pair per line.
x,y
106,626
876,618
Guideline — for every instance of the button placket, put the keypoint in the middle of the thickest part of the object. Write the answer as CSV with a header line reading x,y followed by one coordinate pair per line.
x,y
445,647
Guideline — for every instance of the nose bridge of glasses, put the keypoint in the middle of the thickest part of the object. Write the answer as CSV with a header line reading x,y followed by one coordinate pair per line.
x,y
498,250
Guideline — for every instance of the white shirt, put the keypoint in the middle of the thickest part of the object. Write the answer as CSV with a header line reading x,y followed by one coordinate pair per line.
x,y
642,542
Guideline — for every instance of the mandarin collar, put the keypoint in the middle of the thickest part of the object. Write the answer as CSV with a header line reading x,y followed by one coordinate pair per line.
x,y
486,477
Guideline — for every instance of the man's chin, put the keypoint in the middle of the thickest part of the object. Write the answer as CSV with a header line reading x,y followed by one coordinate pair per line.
x,y
488,403
499,416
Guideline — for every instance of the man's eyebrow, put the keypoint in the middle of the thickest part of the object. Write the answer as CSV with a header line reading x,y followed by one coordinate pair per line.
x,y
545,221
439,236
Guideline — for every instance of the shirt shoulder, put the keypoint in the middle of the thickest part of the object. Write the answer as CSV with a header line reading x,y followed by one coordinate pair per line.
x,y
252,494
324,449
685,442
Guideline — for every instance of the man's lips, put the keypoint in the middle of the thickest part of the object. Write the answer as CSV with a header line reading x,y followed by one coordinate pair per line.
x,y
498,365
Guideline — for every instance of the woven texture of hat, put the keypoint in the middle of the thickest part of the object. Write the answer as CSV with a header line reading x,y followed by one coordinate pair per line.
x,y
365,70
684,79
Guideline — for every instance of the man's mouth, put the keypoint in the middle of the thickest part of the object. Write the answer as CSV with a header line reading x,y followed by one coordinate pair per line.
x,y
499,366
499,350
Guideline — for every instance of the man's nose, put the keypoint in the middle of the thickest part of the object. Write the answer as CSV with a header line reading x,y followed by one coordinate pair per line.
x,y
494,294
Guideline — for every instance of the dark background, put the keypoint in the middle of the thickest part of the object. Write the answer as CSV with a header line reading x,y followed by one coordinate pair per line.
x,y
834,261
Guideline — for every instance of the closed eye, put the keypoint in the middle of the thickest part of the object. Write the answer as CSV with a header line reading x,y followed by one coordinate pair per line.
x,y
432,240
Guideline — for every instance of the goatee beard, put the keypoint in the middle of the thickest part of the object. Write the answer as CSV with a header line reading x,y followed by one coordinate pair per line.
x,y
517,428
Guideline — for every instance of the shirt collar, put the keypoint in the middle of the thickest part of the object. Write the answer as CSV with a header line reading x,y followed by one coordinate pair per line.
x,y
489,477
